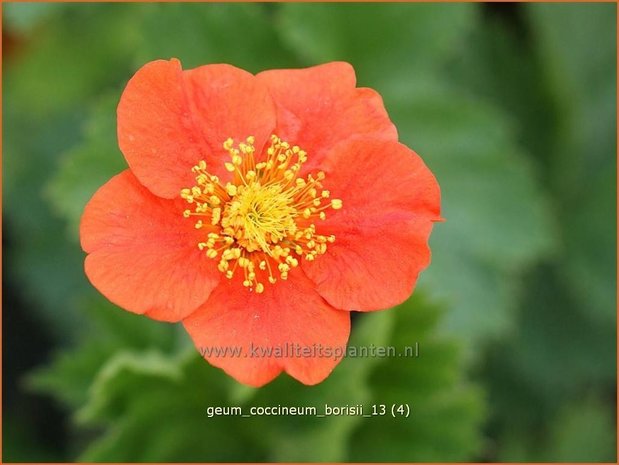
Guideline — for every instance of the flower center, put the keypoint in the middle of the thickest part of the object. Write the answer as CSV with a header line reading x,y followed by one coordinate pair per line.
x,y
263,220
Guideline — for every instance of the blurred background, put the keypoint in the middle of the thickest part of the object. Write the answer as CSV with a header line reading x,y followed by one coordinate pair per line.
x,y
512,106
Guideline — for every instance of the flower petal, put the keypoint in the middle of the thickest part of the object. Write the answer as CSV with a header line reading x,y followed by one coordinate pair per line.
x,y
319,107
143,254
288,316
390,200
169,120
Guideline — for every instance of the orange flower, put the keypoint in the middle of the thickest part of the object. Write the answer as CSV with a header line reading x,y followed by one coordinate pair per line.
x,y
259,210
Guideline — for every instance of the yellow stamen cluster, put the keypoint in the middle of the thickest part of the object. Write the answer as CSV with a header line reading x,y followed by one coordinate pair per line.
x,y
263,220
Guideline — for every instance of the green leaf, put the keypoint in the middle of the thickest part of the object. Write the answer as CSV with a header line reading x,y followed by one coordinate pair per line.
x,y
106,331
445,412
69,375
131,381
500,65
126,391
577,44
89,165
202,33
559,86
418,37
153,408
123,373
497,218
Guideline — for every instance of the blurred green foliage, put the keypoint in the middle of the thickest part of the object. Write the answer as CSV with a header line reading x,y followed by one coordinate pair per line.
x,y
511,106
